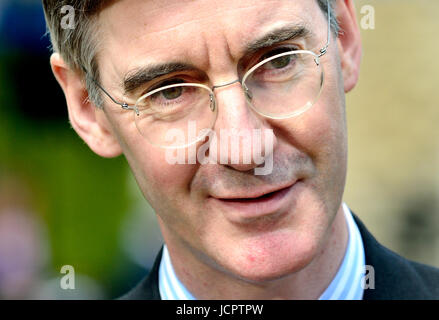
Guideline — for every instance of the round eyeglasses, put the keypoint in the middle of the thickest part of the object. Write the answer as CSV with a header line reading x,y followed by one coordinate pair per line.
x,y
282,86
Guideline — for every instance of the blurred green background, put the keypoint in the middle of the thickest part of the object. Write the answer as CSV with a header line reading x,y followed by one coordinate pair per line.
x,y
62,205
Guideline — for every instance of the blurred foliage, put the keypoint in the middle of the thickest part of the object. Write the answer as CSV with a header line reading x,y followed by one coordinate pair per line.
x,y
82,197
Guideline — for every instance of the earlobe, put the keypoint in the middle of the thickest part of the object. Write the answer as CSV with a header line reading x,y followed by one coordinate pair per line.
x,y
84,116
349,43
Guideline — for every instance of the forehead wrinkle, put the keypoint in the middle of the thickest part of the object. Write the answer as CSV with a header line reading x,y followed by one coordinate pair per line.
x,y
175,20
202,50
267,30
206,16
176,24
219,56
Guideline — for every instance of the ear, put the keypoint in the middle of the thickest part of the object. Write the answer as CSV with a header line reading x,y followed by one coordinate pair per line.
x,y
349,43
87,120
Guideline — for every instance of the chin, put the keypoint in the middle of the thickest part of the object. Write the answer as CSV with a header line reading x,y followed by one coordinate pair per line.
x,y
271,258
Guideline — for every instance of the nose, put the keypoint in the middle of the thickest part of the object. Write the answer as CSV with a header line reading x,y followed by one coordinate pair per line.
x,y
245,139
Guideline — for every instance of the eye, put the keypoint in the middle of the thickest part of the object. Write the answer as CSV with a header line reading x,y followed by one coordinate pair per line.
x,y
165,83
281,62
278,63
277,51
172,93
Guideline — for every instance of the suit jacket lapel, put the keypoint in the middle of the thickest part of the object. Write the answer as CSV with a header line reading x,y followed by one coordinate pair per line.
x,y
395,276
148,288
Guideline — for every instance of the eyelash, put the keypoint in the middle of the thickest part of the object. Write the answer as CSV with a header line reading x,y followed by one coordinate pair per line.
x,y
263,55
165,82
276,50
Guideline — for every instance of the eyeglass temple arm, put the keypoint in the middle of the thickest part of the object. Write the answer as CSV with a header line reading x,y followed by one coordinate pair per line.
x,y
325,48
123,105
127,107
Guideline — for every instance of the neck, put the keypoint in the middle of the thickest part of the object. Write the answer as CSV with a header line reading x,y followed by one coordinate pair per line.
x,y
309,283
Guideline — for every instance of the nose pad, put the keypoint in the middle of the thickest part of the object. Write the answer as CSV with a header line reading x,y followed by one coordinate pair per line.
x,y
317,61
248,93
212,103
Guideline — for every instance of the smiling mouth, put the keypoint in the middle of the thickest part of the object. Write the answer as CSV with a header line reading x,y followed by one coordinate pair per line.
x,y
247,210
265,197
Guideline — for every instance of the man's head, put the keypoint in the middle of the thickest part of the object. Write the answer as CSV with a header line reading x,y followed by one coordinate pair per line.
x,y
205,211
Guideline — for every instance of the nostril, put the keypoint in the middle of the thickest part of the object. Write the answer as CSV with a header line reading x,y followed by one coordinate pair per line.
x,y
243,167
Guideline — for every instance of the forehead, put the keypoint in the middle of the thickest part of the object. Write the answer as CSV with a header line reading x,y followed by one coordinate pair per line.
x,y
197,31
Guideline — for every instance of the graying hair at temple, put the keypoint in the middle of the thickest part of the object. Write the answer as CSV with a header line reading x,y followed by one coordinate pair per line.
x,y
78,47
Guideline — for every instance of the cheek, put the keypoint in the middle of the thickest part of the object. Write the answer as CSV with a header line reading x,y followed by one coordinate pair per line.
x,y
156,177
328,143
324,125
321,134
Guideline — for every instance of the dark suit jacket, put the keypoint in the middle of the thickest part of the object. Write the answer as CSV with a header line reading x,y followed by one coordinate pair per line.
x,y
395,276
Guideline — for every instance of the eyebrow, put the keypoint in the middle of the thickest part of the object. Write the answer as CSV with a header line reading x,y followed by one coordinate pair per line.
x,y
284,33
139,76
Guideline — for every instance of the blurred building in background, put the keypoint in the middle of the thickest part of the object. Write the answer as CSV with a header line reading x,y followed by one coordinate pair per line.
x,y
393,173
62,205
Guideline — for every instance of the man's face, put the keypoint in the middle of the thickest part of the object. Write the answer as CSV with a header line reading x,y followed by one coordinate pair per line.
x,y
252,239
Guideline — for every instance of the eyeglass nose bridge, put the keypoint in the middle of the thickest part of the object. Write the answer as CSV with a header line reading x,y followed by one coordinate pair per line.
x,y
247,92
226,84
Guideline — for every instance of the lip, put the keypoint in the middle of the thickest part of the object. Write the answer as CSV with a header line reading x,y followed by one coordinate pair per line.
x,y
260,204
